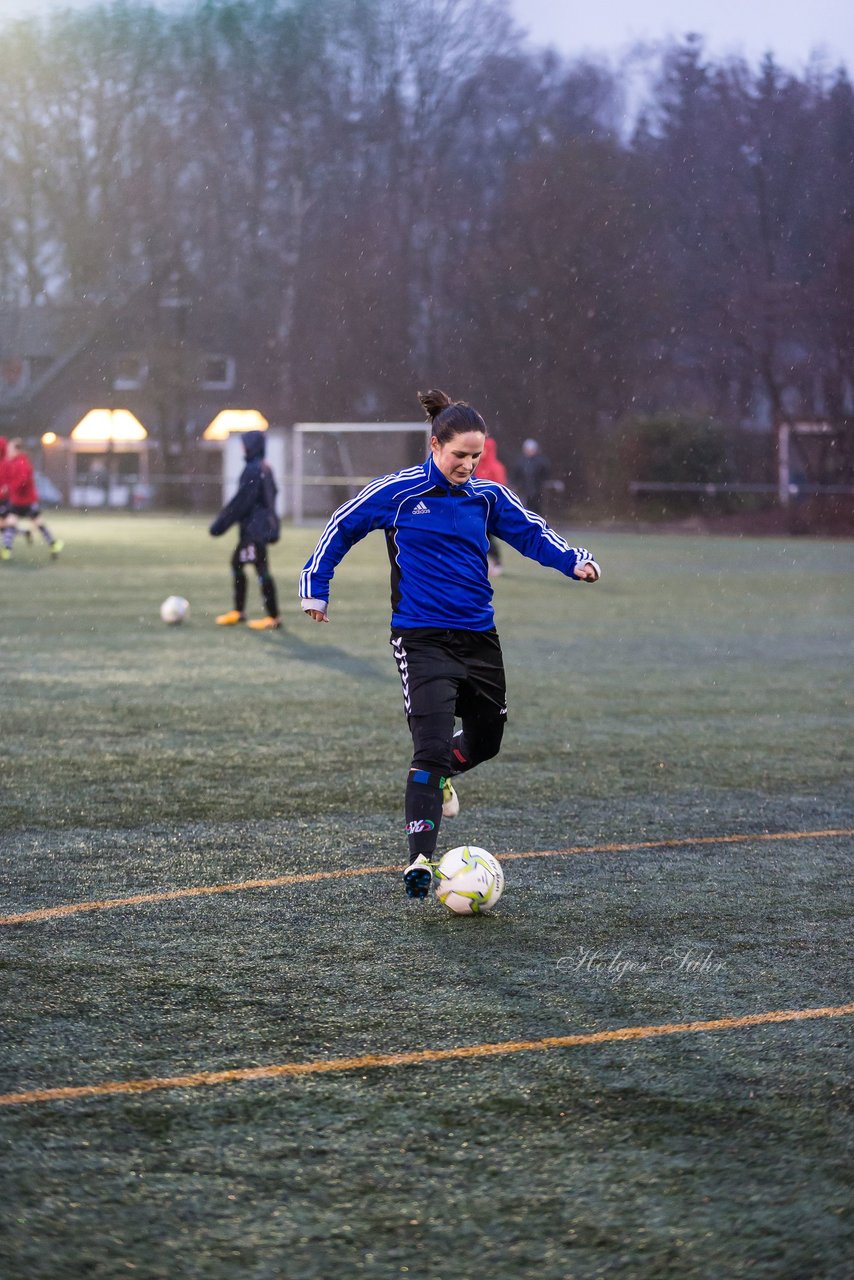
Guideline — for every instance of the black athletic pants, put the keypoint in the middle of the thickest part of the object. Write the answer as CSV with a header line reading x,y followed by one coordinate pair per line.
x,y
447,674
254,553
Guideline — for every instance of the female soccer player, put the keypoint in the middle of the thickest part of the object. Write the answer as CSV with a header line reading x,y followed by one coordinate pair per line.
x,y
437,519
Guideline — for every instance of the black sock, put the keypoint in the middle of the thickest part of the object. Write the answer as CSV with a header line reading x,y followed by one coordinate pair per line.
x,y
423,807
268,592
239,590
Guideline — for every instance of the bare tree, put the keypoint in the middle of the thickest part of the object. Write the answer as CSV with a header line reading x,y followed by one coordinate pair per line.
x,y
374,193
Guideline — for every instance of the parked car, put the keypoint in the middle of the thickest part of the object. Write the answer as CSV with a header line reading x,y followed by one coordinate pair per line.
x,y
49,495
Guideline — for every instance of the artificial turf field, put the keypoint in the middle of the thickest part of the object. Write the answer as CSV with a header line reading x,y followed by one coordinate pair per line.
x,y
623,1102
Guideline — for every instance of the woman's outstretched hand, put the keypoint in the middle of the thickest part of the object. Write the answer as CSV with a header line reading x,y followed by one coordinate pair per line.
x,y
587,572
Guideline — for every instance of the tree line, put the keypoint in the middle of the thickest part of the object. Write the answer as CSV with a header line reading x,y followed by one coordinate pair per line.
x,y
388,193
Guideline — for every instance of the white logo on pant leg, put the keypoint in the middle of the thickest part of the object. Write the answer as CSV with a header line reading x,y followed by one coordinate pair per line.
x,y
403,668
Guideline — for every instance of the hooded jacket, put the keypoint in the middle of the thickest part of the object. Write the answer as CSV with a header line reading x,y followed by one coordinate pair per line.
x,y
253,506
490,467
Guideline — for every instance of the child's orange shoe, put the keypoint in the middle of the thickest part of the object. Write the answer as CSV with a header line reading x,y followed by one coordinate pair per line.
x,y
265,624
231,618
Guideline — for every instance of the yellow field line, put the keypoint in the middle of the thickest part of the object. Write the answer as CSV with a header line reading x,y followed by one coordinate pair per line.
x,y
310,877
371,1061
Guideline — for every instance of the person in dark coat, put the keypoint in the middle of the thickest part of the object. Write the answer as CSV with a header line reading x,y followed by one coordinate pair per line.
x,y
530,472
253,508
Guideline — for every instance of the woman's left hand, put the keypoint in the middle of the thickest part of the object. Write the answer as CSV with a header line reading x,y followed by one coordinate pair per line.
x,y
587,572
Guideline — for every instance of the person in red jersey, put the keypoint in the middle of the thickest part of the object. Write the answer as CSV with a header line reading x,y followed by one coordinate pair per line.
x,y
23,499
490,467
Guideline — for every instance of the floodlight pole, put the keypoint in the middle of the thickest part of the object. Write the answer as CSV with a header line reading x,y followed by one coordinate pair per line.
x,y
784,434
298,473
111,444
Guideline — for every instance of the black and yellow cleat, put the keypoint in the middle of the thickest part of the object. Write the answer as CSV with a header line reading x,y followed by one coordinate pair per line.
x,y
231,618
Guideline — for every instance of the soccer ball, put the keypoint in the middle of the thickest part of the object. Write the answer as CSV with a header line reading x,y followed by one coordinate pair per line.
x,y
175,609
469,880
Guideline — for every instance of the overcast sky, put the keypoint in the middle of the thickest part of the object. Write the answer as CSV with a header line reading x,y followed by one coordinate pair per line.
x,y
791,29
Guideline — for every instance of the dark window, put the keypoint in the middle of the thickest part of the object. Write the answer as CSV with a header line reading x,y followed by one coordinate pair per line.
x,y
130,372
218,373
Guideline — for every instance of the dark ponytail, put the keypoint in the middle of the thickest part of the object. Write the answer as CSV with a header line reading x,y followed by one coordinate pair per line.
x,y
448,417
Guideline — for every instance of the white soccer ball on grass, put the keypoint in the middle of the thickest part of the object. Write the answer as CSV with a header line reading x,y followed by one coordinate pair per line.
x,y
175,609
468,880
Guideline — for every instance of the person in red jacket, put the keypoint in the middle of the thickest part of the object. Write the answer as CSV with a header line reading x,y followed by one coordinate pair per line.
x,y
23,498
490,467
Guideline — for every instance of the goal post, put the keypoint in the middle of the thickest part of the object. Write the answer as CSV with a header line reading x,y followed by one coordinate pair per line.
x,y
356,459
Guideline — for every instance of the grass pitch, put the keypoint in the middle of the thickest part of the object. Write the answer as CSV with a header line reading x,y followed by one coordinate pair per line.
x,y
701,690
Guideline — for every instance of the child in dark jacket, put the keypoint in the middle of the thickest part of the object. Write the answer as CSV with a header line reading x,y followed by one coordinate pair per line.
x,y
253,508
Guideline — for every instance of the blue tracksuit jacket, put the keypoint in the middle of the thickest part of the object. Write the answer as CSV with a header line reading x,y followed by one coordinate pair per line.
x,y
437,538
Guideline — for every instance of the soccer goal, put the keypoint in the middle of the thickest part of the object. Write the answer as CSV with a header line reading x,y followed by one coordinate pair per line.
x,y
334,460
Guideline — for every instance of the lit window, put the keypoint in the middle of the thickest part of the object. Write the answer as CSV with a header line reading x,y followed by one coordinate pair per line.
x,y
234,420
105,426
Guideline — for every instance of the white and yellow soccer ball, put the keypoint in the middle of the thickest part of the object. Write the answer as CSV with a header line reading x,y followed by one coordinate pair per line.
x,y
175,609
468,880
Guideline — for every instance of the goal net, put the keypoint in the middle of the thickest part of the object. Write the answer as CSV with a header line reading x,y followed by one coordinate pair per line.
x,y
332,461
